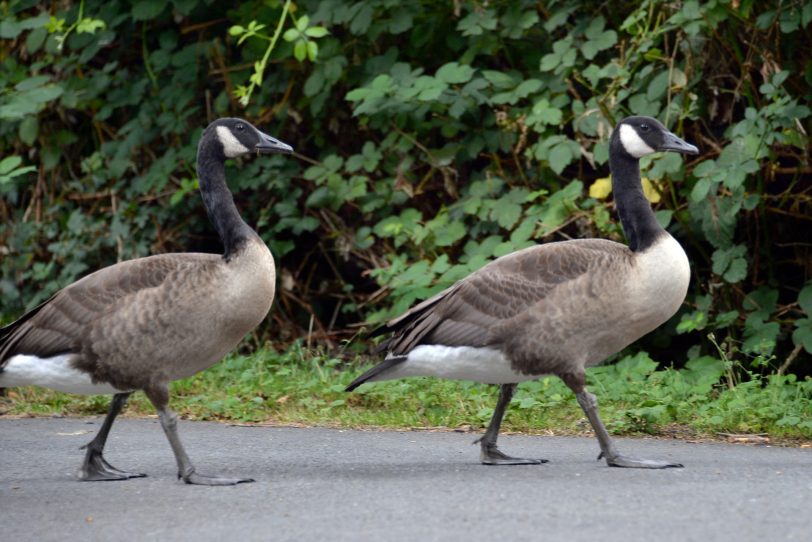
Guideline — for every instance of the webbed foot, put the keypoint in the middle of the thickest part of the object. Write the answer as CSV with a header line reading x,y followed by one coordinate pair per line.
x,y
96,468
205,480
491,455
635,463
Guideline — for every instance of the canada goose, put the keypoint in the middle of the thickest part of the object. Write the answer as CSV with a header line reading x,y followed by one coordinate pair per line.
x,y
140,324
555,308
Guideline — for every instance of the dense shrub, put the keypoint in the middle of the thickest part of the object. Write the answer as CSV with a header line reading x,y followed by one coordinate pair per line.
x,y
433,137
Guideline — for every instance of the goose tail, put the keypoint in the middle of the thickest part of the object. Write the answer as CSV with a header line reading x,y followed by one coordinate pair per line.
x,y
382,367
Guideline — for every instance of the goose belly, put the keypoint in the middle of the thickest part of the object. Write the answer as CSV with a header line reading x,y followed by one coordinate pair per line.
x,y
486,365
57,373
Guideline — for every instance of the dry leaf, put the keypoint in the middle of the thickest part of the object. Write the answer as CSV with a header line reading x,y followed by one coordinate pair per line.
x,y
601,188
651,190
745,439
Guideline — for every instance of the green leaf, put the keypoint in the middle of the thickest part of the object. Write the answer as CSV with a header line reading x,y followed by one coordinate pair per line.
x,y
144,10
449,234
559,18
563,55
44,94
499,80
730,263
761,302
312,50
805,298
657,86
701,189
9,163
663,217
560,156
89,26
363,18
316,32
10,28
726,318
760,336
803,334
600,42
737,271
691,322
236,30
544,114
507,213
455,73
32,82
291,34
302,23
300,50
477,22
29,128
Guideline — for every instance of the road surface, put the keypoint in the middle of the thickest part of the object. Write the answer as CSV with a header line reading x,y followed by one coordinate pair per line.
x,y
336,485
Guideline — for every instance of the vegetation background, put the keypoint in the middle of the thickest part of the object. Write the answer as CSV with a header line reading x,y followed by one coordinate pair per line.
x,y
432,137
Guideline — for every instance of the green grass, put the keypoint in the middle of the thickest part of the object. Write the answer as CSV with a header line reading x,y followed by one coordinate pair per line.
x,y
306,387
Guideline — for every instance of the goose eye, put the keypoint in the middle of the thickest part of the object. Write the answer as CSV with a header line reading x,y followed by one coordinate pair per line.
x,y
644,128
240,127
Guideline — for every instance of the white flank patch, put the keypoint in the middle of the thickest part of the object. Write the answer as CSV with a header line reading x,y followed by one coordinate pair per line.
x,y
55,373
633,143
457,363
231,145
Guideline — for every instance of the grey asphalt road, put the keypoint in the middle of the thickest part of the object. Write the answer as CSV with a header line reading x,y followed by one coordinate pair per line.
x,y
329,484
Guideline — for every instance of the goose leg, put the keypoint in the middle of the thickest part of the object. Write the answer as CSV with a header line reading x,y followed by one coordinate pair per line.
x,y
490,453
589,404
159,396
95,467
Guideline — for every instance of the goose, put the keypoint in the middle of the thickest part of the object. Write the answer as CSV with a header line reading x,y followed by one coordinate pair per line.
x,y
140,324
552,309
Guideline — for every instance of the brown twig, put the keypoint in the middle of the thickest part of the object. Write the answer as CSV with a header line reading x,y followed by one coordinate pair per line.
x,y
790,359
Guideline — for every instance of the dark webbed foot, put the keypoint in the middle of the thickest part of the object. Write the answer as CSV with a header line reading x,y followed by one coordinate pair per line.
x,y
635,463
589,404
96,468
204,480
491,455
159,395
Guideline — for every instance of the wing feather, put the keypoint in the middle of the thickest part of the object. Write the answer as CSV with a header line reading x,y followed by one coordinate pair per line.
x,y
56,326
466,313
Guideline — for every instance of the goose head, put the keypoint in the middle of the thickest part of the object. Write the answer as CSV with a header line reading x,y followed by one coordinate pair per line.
x,y
639,136
237,137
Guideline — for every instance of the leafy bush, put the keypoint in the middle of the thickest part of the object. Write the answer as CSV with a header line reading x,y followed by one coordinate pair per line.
x,y
433,137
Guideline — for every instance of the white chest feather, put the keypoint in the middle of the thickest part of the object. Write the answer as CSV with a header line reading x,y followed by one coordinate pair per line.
x,y
457,363
661,281
55,372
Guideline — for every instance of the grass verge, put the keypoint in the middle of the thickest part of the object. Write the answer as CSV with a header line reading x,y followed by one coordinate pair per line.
x,y
298,386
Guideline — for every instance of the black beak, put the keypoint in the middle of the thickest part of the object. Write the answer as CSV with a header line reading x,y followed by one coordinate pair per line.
x,y
271,145
673,143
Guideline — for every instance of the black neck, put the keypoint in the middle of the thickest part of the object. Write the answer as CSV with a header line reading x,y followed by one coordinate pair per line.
x,y
638,220
217,198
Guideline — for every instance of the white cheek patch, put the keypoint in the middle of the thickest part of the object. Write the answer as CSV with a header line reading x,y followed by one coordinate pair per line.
x,y
633,143
231,145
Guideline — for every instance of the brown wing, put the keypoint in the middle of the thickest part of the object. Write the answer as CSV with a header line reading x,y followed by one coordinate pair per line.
x,y
466,313
55,327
